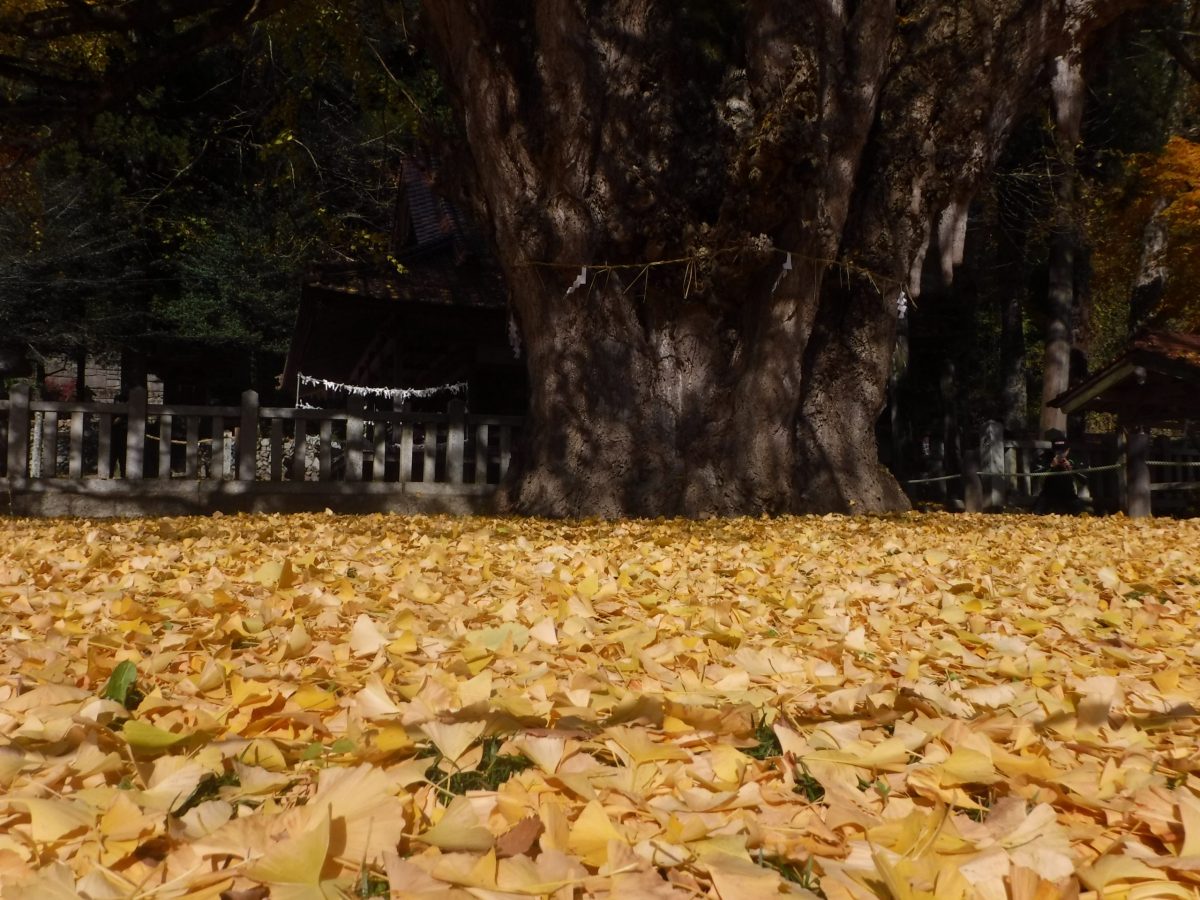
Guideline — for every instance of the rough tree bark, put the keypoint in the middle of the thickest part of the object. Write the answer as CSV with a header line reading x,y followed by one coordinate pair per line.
x,y
749,185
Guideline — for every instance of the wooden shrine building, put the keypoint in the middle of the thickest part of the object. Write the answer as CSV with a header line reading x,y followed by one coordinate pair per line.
x,y
438,316
1155,383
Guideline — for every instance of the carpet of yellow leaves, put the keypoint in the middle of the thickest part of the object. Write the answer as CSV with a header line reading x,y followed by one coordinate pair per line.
x,y
920,706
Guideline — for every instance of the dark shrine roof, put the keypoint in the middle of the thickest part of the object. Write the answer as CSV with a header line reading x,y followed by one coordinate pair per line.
x,y
1156,381
444,265
439,281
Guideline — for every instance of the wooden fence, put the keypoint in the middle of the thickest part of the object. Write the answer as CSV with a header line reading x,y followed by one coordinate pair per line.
x,y
1174,476
1098,456
134,457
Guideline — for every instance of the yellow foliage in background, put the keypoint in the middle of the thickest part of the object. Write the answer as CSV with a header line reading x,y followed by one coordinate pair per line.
x,y
1165,185
1175,176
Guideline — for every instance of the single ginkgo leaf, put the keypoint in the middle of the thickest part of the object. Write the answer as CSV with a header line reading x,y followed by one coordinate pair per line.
x,y
52,818
453,739
141,735
459,829
297,859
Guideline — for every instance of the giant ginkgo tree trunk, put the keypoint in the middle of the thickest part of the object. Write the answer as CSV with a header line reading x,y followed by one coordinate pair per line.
x,y
749,187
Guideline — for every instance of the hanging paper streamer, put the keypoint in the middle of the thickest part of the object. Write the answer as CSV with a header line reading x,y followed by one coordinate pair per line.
x,y
358,390
902,304
787,267
580,281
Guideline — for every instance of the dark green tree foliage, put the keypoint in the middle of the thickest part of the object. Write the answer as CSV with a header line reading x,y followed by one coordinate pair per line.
x,y
62,63
186,212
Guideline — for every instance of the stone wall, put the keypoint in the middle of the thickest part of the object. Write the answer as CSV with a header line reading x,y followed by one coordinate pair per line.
x,y
312,458
102,376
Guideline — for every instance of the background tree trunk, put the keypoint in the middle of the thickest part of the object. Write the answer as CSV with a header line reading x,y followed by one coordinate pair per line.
x,y
748,186
1014,395
900,422
1067,93
133,371
1150,280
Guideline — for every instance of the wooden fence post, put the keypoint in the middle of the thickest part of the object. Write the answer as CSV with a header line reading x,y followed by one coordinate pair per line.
x,y
379,453
991,452
248,437
104,448
1139,475
75,466
164,445
325,452
300,451
191,450
481,454
455,441
972,486
49,445
406,452
18,433
354,439
135,434
429,454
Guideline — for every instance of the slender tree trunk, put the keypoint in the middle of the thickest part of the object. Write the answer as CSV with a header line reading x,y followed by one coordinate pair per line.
x,y
1056,369
81,391
1012,356
133,371
1150,282
951,433
900,425
1153,275
1067,91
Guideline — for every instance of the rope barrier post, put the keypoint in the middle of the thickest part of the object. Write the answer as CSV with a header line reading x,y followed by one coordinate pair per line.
x,y
991,451
1138,476
951,439
1122,468
972,486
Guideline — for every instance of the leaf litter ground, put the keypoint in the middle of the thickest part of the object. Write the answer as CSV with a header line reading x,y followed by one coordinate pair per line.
x,y
320,706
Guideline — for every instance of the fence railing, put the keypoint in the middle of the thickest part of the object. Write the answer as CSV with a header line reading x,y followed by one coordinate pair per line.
x,y
1112,472
1097,467
1174,475
93,445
